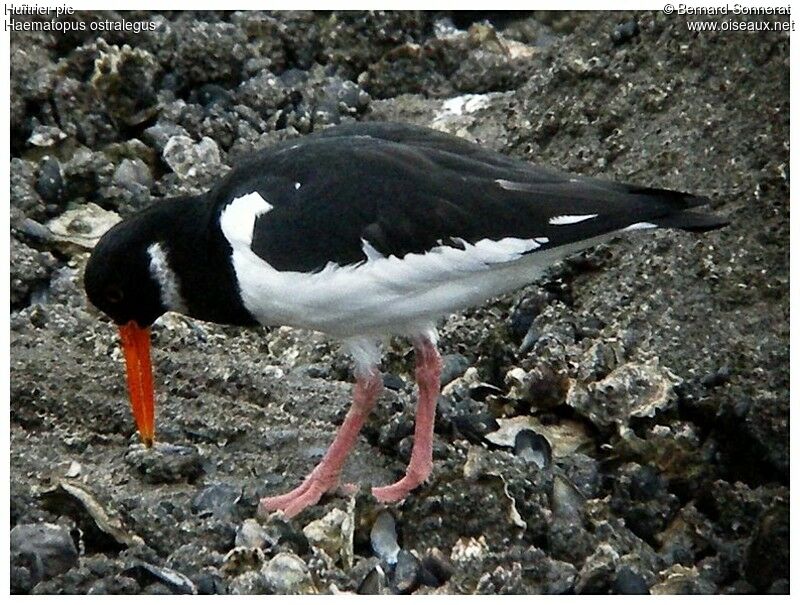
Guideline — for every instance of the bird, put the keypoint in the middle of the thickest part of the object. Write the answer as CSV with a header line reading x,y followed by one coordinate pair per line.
x,y
361,231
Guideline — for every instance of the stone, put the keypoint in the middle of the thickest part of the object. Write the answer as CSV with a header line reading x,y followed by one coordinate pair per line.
x,y
50,180
333,534
407,573
47,549
383,537
219,500
249,582
189,159
166,463
287,573
251,535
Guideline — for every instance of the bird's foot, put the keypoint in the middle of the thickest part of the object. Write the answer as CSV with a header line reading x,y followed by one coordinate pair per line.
x,y
308,493
325,477
397,491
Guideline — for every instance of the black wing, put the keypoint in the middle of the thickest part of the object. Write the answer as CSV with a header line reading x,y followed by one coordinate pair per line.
x,y
406,189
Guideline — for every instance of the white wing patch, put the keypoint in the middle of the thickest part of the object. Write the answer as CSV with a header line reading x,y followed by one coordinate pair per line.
x,y
512,185
238,218
570,219
637,226
169,290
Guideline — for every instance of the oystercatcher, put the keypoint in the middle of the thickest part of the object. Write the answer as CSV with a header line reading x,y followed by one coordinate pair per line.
x,y
360,231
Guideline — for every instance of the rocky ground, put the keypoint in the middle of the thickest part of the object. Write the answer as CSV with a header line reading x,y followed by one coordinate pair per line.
x,y
618,427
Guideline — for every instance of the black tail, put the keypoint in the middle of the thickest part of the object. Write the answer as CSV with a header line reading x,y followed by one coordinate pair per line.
x,y
683,217
692,221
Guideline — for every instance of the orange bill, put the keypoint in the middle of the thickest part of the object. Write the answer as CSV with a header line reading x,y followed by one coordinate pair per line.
x,y
136,347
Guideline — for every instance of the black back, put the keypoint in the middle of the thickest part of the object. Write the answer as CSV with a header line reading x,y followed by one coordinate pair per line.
x,y
407,189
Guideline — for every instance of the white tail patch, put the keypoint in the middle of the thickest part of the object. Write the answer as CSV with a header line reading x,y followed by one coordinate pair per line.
x,y
570,219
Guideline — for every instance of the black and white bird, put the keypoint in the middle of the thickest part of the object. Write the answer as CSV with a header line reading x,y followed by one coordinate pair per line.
x,y
361,231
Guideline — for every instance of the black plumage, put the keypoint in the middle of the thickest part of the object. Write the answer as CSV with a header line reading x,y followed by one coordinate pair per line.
x,y
406,189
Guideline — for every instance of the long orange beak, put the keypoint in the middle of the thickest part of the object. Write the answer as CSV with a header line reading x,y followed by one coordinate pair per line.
x,y
136,347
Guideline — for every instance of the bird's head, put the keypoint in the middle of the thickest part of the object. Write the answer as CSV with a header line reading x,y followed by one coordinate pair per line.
x,y
119,281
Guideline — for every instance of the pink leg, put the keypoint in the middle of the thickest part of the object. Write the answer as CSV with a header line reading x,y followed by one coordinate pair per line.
x,y
429,369
325,477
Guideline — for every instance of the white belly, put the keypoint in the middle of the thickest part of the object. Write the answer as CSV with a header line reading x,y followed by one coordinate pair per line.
x,y
385,295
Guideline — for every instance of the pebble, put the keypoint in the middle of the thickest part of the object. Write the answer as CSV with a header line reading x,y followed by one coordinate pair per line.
x,y
176,582
282,532
393,382
533,447
482,390
542,386
406,573
595,575
567,502
526,311
46,136
437,568
218,500
383,537
132,174
30,272
48,547
34,230
209,581
166,463
717,378
333,534
249,582
767,555
208,95
188,159
286,573
453,366
161,133
476,426
374,582
50,181
346,94
395,429
624,32
628,581
251,535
